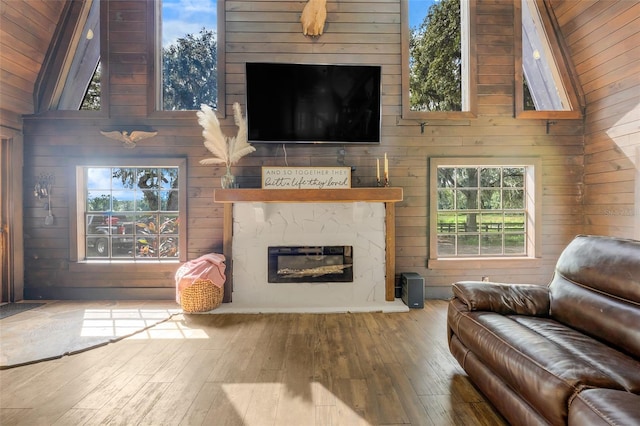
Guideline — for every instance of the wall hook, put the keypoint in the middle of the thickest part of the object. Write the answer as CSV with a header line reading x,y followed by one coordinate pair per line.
x,y
42,188
549,124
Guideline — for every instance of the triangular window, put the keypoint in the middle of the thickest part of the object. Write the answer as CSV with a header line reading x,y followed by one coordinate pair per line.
x,y
543,76
79,87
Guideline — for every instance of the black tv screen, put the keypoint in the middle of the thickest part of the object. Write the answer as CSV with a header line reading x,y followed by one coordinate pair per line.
x,y
310,103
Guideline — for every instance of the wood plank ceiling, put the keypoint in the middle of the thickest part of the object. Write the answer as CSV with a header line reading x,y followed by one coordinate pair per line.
x,y
26,30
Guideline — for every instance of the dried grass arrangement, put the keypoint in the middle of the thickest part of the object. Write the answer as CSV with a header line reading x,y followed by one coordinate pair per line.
x,y
226,150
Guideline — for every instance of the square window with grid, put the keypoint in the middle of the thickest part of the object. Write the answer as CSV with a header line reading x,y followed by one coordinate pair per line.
x,y
481,211
131,212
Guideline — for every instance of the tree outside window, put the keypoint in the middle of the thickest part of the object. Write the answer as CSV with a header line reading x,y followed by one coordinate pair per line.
x,y
189,72
435,62
189,54
437,77
91,101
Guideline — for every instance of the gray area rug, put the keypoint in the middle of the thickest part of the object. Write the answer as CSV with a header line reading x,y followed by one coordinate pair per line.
x,y
60,328
15,308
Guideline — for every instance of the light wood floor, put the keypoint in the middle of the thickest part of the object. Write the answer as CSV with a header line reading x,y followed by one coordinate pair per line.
x,y
267,369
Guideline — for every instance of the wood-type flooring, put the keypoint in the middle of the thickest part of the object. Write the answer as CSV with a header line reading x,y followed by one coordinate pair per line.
x,y
257,369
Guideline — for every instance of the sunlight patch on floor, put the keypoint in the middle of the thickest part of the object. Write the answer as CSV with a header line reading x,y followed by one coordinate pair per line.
x,y
136,323
171,330
257,404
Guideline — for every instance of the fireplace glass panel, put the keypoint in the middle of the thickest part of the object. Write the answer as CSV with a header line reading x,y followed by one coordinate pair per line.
x,y
303,264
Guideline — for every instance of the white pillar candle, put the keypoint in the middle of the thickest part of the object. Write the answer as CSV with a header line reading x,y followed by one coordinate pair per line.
x,y
386,167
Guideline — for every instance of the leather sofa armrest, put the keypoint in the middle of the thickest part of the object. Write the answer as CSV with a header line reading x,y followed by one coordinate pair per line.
x,y
604,407
520,299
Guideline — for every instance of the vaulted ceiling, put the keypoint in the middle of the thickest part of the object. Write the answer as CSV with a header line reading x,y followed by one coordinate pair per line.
x,y
28,26
26,30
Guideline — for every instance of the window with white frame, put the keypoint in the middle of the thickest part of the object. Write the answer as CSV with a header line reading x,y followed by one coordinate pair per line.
x,y
482,208
189,48
131,212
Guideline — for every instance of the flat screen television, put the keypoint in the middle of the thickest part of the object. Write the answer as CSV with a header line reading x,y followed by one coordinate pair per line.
x,y
313,103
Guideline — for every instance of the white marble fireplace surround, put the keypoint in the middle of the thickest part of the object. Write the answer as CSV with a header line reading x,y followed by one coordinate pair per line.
x,y
257,225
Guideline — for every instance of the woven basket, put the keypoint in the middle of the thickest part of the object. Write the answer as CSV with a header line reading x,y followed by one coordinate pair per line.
x,y
201,296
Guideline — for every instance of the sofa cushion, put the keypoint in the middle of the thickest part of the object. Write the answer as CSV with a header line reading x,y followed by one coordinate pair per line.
x,y
596,289
604,407
623,369
541,360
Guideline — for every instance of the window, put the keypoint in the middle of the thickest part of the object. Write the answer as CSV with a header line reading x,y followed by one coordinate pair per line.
x,y
542,75
483,208
437,81
190,46
79,87
131,212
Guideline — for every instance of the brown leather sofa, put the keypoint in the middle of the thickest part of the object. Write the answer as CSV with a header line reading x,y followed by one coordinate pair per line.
x,y
565,353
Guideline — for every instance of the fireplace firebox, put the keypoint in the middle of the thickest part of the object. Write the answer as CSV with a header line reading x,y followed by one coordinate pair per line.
x,y
304,264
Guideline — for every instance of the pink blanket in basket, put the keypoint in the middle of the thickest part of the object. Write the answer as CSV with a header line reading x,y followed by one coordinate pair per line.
x,y
207,267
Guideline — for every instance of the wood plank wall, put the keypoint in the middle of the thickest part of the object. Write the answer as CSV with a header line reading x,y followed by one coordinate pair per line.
x,y
604,41
357,31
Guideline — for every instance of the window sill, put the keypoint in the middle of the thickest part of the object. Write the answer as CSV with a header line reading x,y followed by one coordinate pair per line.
x,y
485,262
549,115
147,266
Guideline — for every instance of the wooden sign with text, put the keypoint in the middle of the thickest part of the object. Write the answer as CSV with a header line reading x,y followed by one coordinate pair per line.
x,y
306,177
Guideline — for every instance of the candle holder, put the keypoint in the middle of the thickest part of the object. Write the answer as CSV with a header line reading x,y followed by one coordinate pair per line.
x,y
378,182
386,182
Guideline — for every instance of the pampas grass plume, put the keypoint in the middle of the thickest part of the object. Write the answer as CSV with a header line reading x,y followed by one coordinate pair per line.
x,y
226,150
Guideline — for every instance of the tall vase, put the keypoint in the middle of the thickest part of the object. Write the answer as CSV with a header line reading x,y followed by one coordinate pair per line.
x,y
228,180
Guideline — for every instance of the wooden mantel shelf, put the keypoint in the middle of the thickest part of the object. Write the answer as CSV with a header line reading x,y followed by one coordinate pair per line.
x,y
386,195
343,195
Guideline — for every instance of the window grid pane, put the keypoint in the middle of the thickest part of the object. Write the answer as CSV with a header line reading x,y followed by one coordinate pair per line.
x,y
486,214
126,220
